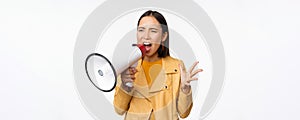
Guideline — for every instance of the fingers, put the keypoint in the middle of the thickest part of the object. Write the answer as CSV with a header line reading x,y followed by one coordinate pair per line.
x,y
193,66
193,72
191,79
128,75
187,77
132,70
196,72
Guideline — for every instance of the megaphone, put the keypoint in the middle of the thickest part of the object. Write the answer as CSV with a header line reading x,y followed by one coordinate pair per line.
x,y
103,71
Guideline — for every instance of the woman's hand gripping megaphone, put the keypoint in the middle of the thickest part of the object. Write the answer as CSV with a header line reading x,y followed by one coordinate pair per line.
x,y
128,78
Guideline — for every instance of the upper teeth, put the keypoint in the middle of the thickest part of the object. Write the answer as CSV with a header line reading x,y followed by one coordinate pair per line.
x,y
147,44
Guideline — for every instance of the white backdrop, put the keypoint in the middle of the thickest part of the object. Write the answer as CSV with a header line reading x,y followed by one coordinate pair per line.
x,y
260,39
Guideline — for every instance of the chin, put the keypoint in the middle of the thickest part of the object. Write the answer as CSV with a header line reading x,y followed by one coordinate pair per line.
x,y
150,54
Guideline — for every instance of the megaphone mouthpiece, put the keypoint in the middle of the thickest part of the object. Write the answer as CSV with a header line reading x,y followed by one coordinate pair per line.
x,y
141,47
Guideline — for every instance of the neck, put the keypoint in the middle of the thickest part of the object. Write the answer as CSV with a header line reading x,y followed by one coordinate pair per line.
x,y
152,58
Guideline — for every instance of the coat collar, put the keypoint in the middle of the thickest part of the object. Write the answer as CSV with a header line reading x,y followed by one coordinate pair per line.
x,y
169,64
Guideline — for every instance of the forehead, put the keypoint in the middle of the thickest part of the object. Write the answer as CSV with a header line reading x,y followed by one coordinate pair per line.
x,y
149,21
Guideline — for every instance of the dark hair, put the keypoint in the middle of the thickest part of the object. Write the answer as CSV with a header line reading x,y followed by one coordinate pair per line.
x,y
163,50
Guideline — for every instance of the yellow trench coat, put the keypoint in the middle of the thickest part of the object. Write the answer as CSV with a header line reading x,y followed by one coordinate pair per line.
x,y
163,100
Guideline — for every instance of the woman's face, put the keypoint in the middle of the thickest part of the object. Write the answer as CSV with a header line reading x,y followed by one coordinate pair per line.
x,y
149,31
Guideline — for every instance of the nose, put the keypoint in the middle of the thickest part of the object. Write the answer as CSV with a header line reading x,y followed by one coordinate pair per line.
x,y
146,35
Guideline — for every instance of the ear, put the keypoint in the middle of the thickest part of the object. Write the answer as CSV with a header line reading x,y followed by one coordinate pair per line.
x,y
164,36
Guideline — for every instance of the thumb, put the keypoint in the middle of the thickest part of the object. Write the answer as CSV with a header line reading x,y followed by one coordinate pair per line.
x,y
181,72
180,68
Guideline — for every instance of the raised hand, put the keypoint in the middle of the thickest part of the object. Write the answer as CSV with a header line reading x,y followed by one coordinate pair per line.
x,y
187,77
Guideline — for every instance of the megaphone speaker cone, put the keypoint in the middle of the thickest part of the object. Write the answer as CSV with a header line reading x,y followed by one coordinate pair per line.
x,y
101,72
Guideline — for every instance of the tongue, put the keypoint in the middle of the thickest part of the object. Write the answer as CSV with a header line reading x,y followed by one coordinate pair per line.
x,y
147,48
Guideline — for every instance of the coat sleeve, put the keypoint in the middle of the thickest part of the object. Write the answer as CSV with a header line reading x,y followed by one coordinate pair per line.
x,y
122,99
185,100
185,104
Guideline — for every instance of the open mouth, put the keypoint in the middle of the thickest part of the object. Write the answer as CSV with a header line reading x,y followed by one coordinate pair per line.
x,y
147,46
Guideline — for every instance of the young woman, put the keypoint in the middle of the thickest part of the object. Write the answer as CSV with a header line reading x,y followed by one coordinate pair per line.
x,y
161,89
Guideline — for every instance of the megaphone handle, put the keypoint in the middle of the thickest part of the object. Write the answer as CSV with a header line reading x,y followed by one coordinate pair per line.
x,y
130,84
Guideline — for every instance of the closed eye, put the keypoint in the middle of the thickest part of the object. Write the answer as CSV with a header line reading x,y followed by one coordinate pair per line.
x,y
141,29
154,31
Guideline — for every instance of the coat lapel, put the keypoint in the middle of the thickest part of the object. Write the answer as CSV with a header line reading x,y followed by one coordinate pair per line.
x,y
167,68
160,82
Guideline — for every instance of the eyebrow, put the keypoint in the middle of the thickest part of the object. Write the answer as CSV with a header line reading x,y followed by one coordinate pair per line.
x,y
153,28
141,27
149,28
